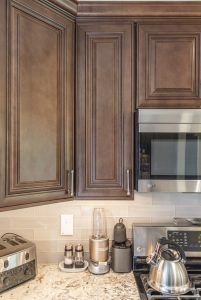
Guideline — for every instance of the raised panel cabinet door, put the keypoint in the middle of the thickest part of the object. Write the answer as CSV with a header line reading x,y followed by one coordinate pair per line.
x,y
39,104
104,111
169,65
3,76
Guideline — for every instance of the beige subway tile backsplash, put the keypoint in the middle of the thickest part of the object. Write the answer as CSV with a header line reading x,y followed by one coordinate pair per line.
x,y
42,223
49,257
61,208
142,199
188,211
4,223
23,212
47,234
164,199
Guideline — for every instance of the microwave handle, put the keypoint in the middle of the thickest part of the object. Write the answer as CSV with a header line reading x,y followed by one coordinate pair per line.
x,y
128,192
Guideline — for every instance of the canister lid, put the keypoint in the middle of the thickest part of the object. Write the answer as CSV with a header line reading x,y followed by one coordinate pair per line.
x,y
79,248
68,247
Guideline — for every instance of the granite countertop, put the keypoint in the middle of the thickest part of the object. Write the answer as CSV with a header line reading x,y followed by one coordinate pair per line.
x,y
53,284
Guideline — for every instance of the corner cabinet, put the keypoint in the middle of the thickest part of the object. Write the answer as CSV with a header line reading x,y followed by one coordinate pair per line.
x,y
169,64
104,137
38,110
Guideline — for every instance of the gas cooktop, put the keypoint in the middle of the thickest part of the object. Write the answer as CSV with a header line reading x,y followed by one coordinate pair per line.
x,y
146,292
188,237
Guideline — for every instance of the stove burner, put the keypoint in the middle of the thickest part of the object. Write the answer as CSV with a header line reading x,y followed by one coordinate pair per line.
x,y
194,293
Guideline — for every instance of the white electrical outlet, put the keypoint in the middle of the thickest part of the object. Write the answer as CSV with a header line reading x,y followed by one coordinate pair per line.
x,y
66,224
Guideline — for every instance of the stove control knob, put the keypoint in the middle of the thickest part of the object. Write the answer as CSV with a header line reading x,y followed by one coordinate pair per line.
x,y
1,283
6,281
27,271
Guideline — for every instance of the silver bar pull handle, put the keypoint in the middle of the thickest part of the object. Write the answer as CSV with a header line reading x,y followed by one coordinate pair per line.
x,y
67,181
128,193
72,183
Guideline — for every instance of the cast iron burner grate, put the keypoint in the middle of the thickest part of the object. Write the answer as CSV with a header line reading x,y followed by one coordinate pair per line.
x,y
194,293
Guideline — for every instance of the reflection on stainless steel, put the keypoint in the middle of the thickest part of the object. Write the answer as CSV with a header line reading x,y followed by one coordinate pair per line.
x,y
146,237
187,221
151,185
17,259
193,128
198,186
172,116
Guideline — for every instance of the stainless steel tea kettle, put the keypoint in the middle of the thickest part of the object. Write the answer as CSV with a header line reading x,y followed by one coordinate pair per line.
x,y
168,273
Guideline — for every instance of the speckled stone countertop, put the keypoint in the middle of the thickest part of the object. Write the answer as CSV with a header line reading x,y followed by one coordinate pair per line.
x,y
53,284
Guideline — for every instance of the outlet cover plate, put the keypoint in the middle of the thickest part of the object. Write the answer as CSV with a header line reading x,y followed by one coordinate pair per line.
x,y
66,224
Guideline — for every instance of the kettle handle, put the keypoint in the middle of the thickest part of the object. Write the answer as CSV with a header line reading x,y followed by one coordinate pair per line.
x,y
163,241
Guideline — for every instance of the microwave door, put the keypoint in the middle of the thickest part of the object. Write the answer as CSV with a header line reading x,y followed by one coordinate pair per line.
x,y
169,157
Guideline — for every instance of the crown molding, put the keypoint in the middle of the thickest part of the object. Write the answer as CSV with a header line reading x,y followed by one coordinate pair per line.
x,y
130,8
69,5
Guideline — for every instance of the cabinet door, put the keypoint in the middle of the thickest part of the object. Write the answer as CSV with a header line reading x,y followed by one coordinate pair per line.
x,y
39,103
3,75
104,111
169,65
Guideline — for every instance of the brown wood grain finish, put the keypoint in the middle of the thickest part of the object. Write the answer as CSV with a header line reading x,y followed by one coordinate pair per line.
x,y
169,65
67,5
128,8
3,58
139,9
40,103
103,100
101,106
35,137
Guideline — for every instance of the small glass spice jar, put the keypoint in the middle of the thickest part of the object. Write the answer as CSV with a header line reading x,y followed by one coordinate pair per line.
x,y
68,256
79,256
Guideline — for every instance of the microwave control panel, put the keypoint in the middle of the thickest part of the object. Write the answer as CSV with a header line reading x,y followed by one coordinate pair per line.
x,y
188,240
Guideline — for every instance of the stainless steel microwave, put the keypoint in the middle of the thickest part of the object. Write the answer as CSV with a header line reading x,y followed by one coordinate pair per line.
x,y
168,150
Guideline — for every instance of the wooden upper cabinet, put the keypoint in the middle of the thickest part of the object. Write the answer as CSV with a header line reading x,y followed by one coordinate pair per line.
x,y
3,91
169,65
39,104
104,110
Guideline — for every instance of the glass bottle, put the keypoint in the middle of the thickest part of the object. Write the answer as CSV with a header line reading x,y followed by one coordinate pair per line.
x,y
99,228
